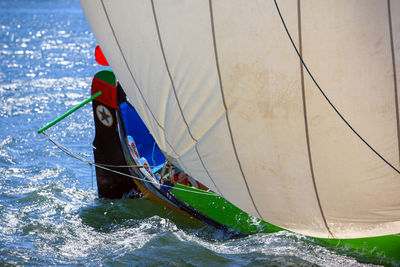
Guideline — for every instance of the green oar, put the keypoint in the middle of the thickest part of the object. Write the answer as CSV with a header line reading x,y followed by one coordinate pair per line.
x,y
69,112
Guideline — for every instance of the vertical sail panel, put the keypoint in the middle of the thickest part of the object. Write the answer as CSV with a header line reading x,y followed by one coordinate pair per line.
x,y
188,46
348,52
136,32
261,82
107,33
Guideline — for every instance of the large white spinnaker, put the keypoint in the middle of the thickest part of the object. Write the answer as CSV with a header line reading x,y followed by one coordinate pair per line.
x,y
222,90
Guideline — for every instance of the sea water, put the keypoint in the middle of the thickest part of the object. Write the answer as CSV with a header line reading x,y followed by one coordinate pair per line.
x,y
49,210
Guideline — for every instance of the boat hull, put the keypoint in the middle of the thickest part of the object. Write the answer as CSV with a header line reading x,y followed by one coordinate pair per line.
x,y
206,206
379,250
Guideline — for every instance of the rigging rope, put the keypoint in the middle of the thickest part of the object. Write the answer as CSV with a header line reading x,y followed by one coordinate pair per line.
x,y
152,153
326,97
104,167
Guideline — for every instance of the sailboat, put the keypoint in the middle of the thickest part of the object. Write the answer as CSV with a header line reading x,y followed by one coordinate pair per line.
x,y
288,110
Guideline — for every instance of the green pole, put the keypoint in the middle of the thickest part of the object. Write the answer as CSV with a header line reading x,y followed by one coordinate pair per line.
x,y
69,112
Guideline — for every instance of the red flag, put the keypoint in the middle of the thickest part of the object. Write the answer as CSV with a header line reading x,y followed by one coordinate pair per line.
x,y
100,56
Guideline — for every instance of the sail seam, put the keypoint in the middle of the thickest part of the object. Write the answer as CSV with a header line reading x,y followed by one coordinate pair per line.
x,y
226,108
176,95
133,78
394,75
326,97
303,93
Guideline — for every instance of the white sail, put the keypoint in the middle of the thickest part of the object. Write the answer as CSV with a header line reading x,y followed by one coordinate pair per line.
x,y
223,91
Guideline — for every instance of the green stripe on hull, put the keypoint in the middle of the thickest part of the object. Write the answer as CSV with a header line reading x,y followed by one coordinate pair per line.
x,y
378,250
223,211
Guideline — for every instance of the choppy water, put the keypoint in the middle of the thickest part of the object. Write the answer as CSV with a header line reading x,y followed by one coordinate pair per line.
x,y
49,210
